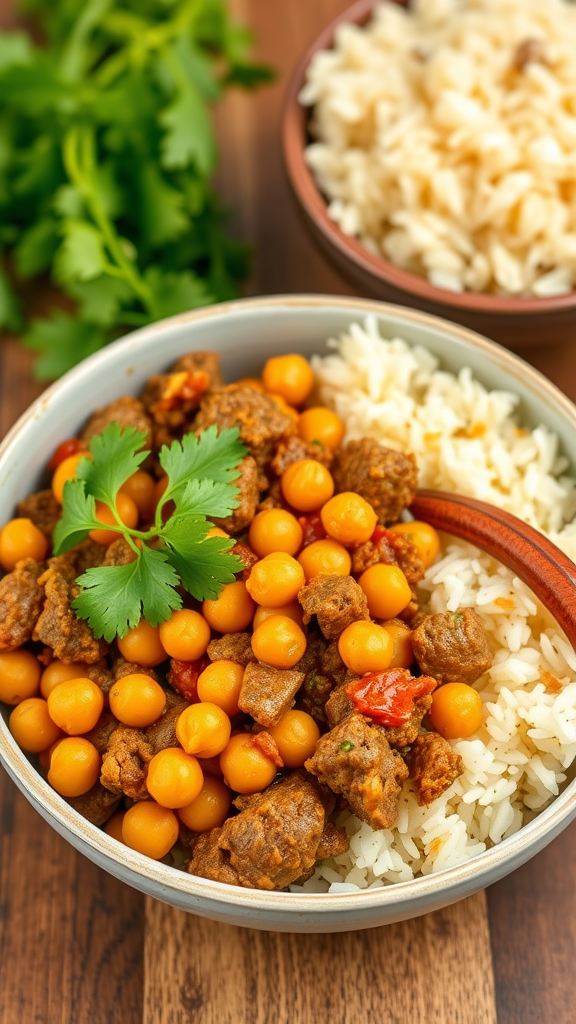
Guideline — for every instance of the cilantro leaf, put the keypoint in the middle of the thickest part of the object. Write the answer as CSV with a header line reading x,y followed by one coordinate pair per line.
x,y
189,138
172,293
163,215
204,564
78,516
36,247
115,597
213,456
207,498
81,255
100,300
116,455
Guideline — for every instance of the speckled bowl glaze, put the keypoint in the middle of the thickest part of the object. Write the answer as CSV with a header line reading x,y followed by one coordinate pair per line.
x,y
246,333
514,321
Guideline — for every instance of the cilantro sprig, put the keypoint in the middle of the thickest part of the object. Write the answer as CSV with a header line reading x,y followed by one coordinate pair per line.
x,y
201,472
107,154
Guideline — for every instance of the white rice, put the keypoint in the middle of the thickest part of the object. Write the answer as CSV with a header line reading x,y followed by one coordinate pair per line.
x,y
517,761
445,152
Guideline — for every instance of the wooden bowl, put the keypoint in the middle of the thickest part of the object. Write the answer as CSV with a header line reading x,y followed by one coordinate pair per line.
x,y
515,322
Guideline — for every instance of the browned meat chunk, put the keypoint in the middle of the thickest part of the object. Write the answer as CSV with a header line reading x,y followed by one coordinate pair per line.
x,y
163,733
43,509
338,706
98,804
272,842
267,693
119,553
390,549
102,731
355,760
205,362
333,841
21,600
331,664
122,668
248,498
403,735
386,478
336,601
433,766
273,498
452,646
125,763
232,647
127,411
294,449
172,399
247,557
58,626
260,420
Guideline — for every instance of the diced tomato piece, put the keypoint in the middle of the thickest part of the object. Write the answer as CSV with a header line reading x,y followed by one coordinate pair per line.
x,y
388,697
312,529
64,451
183,677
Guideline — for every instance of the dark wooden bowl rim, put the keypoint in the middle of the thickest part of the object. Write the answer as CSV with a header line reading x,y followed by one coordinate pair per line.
x,y
294,122
542,566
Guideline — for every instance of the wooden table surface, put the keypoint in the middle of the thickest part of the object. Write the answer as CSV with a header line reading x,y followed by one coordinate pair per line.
x,y
78,947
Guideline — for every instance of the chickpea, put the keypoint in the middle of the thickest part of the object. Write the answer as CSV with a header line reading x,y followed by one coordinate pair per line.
x,y
348,518
275,580
74,766
186,635
245,767
365,647
423,536
307,485
66,471
203,729
274,530
142,645
75,705
113,826
140,487
325,558
279,642
216,531
292,611
174,778
403,656
210,808
250,382
20,539
127,513
232,611
45,756
32,727
57,672
19,676
456,711
150,829
290,376
296,736
220,683
321,425
387,590
137,700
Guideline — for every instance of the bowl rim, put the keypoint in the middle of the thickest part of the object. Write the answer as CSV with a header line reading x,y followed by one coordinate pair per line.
x,y
155,877
313,204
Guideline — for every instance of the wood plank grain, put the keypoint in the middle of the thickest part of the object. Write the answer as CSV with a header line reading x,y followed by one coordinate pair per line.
x,y
71,936
436,970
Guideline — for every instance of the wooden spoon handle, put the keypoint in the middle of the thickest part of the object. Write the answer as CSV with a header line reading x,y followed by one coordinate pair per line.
x,y
534,559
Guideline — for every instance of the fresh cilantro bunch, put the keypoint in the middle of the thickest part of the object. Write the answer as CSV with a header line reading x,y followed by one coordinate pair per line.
x,y
173,554
106,153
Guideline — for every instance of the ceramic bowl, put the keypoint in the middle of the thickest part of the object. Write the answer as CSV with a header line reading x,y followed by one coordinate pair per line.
x,y
246,333
515,322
